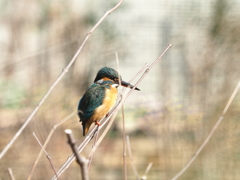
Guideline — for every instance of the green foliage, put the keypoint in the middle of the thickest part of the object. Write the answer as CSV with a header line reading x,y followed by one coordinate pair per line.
x,y
11,95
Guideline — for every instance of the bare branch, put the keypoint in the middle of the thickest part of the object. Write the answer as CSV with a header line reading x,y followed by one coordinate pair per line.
x,y
148,69
159,57
48,157
46,142
124,135
140,71
103,134
11,174
94,144
80,160
210,134
147,170
144,177
124,146
57,80
131,157
119,79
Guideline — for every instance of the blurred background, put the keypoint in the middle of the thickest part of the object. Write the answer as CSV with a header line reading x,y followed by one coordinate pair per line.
x,y
179,102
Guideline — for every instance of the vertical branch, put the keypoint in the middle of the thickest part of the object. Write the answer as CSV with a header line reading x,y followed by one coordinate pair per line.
x,y
124,146
124,139
80,160
210,134
131,157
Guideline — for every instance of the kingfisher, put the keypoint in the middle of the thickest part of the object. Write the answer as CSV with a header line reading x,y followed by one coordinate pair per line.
x,y
100,97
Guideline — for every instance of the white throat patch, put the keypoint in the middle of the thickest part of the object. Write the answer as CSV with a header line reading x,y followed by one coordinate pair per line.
x,y
115,85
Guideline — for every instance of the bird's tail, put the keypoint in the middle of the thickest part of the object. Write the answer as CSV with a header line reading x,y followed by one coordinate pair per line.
x,y
85,129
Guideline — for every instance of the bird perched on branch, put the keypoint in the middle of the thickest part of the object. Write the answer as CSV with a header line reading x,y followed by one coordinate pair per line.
x,y
100,97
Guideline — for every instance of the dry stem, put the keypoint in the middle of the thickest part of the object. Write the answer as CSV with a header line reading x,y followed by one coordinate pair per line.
x,y
131,157
123,120
11,174
46,143
147,170
144,177
94,144
210,134
48,157
80,160
124,146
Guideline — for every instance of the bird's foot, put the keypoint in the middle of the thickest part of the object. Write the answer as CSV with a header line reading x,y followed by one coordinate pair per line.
x,y
97,123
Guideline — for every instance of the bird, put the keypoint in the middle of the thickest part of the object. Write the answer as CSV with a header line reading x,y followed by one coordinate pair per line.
x,y
100,97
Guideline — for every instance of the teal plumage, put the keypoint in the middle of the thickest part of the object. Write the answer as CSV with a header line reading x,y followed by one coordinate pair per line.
x,y
92,99
107,72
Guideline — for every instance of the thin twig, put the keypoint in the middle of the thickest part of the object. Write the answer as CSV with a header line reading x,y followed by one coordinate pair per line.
x,y
47,155
104,120
103,134
144,177
119,76
124,146
140,71
159,57
146,72
148,69
80,160
147,170
123,120
40,144
65,70
46,143
134,77
11,174
210,134
91,157
131,157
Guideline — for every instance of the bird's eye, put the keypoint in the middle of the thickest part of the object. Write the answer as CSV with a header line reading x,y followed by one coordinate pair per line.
x,y
116,80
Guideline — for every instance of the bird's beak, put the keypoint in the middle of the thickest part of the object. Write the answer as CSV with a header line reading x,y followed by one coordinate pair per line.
x,y
125,84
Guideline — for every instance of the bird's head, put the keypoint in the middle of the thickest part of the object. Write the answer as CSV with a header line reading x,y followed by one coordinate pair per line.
x,y
106,74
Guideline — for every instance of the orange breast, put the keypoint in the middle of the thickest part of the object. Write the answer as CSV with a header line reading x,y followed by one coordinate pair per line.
x,y
108,103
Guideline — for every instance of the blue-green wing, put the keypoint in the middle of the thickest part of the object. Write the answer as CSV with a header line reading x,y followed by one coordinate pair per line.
x,y
92,98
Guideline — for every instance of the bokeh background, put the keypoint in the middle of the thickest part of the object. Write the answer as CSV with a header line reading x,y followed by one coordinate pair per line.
x,y
179,102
